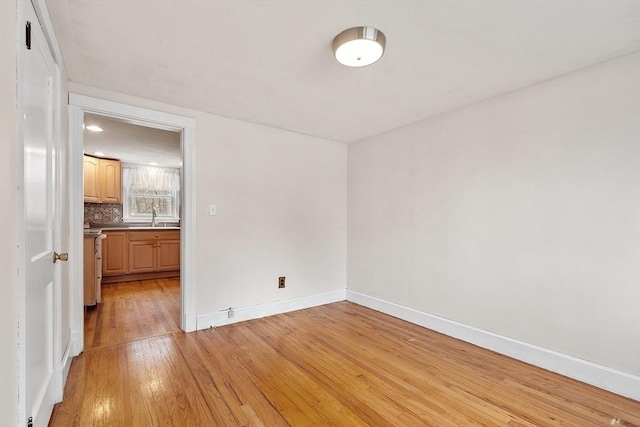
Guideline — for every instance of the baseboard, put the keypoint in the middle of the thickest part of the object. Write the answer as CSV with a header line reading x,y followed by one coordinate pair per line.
x,y
609,379
139,276
189,322
269,309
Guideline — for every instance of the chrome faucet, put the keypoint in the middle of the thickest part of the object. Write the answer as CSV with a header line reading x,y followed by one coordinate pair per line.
x,y
153,215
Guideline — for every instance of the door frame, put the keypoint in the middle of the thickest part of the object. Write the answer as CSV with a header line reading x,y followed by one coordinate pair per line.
x,y
78,106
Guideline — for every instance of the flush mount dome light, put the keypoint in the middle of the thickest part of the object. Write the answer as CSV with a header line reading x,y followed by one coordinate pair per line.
x,y
359,46
94,128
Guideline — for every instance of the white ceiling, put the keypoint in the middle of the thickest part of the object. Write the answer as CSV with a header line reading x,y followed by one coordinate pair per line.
x,y
130,143
271,62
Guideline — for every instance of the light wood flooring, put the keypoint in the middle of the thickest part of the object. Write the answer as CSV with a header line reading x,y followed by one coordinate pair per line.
x,y
133,310
334,365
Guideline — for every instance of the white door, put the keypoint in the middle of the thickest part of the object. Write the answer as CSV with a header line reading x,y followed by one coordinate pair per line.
x,y
39,220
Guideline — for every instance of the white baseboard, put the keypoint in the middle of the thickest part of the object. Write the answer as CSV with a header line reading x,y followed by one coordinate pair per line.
x,y
189,322
269,309
609,379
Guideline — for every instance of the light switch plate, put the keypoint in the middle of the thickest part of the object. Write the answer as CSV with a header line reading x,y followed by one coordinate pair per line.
x,y
212,210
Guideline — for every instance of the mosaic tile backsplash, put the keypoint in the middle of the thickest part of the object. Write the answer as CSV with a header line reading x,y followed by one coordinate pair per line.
x,y
103,213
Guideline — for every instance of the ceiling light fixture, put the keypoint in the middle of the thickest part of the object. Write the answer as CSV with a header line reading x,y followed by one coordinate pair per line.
x,y
99,154
359,46
94,128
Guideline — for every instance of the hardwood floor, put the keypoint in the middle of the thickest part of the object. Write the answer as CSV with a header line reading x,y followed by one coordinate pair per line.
x,y
339,364
133,310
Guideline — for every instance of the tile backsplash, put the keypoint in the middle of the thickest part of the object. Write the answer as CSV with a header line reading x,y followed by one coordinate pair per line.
x,y
103,213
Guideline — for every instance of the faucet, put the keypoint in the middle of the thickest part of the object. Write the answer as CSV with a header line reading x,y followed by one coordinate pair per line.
x,y
153,215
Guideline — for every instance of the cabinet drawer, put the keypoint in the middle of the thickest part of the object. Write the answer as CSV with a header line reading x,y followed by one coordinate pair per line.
x,y
154,235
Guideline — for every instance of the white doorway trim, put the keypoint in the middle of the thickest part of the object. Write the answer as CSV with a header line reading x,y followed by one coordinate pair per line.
x,y
80,104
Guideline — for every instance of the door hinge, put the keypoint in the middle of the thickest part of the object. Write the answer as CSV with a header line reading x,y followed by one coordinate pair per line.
x,y
30,422
28,35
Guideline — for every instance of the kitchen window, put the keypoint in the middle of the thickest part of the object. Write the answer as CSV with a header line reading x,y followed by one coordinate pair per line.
x,y
146,189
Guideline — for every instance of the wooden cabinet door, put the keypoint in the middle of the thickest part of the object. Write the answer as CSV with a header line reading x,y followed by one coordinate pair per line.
x,y
89,271
91,181
142,256
168,255
111,181
115,253
102,180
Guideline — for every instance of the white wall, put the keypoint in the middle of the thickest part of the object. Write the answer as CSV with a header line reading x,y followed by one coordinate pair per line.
x,y
8,217
518,215
281,200
282,211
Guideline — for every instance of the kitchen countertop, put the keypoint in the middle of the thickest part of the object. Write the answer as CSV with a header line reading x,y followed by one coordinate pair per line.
x,y
134,226
92,232
139,228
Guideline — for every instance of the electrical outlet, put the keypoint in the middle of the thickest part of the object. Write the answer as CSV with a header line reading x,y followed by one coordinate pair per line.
x,y
230,312
281,282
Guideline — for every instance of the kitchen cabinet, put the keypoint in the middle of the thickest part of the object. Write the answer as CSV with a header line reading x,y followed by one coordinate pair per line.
x,y
110,174
142,256
92,268
154,251
91,181
115,253
168,255
102,180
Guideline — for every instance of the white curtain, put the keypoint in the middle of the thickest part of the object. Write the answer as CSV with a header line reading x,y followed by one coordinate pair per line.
x,y
149,189
151,180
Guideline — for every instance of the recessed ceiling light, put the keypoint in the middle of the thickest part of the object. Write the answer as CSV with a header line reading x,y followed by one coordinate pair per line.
x,y
94,128
359,46
99,153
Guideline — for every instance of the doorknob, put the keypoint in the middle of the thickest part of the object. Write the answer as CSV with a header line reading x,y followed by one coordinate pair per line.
x,y
62,257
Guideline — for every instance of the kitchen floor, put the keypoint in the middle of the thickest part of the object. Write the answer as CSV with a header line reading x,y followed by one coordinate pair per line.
x,y
133,310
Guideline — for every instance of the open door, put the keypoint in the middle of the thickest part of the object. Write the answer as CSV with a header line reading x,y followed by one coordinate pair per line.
x,y
40,196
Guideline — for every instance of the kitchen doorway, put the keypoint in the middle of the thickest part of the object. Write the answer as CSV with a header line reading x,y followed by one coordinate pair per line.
x,y
131,231
82,106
